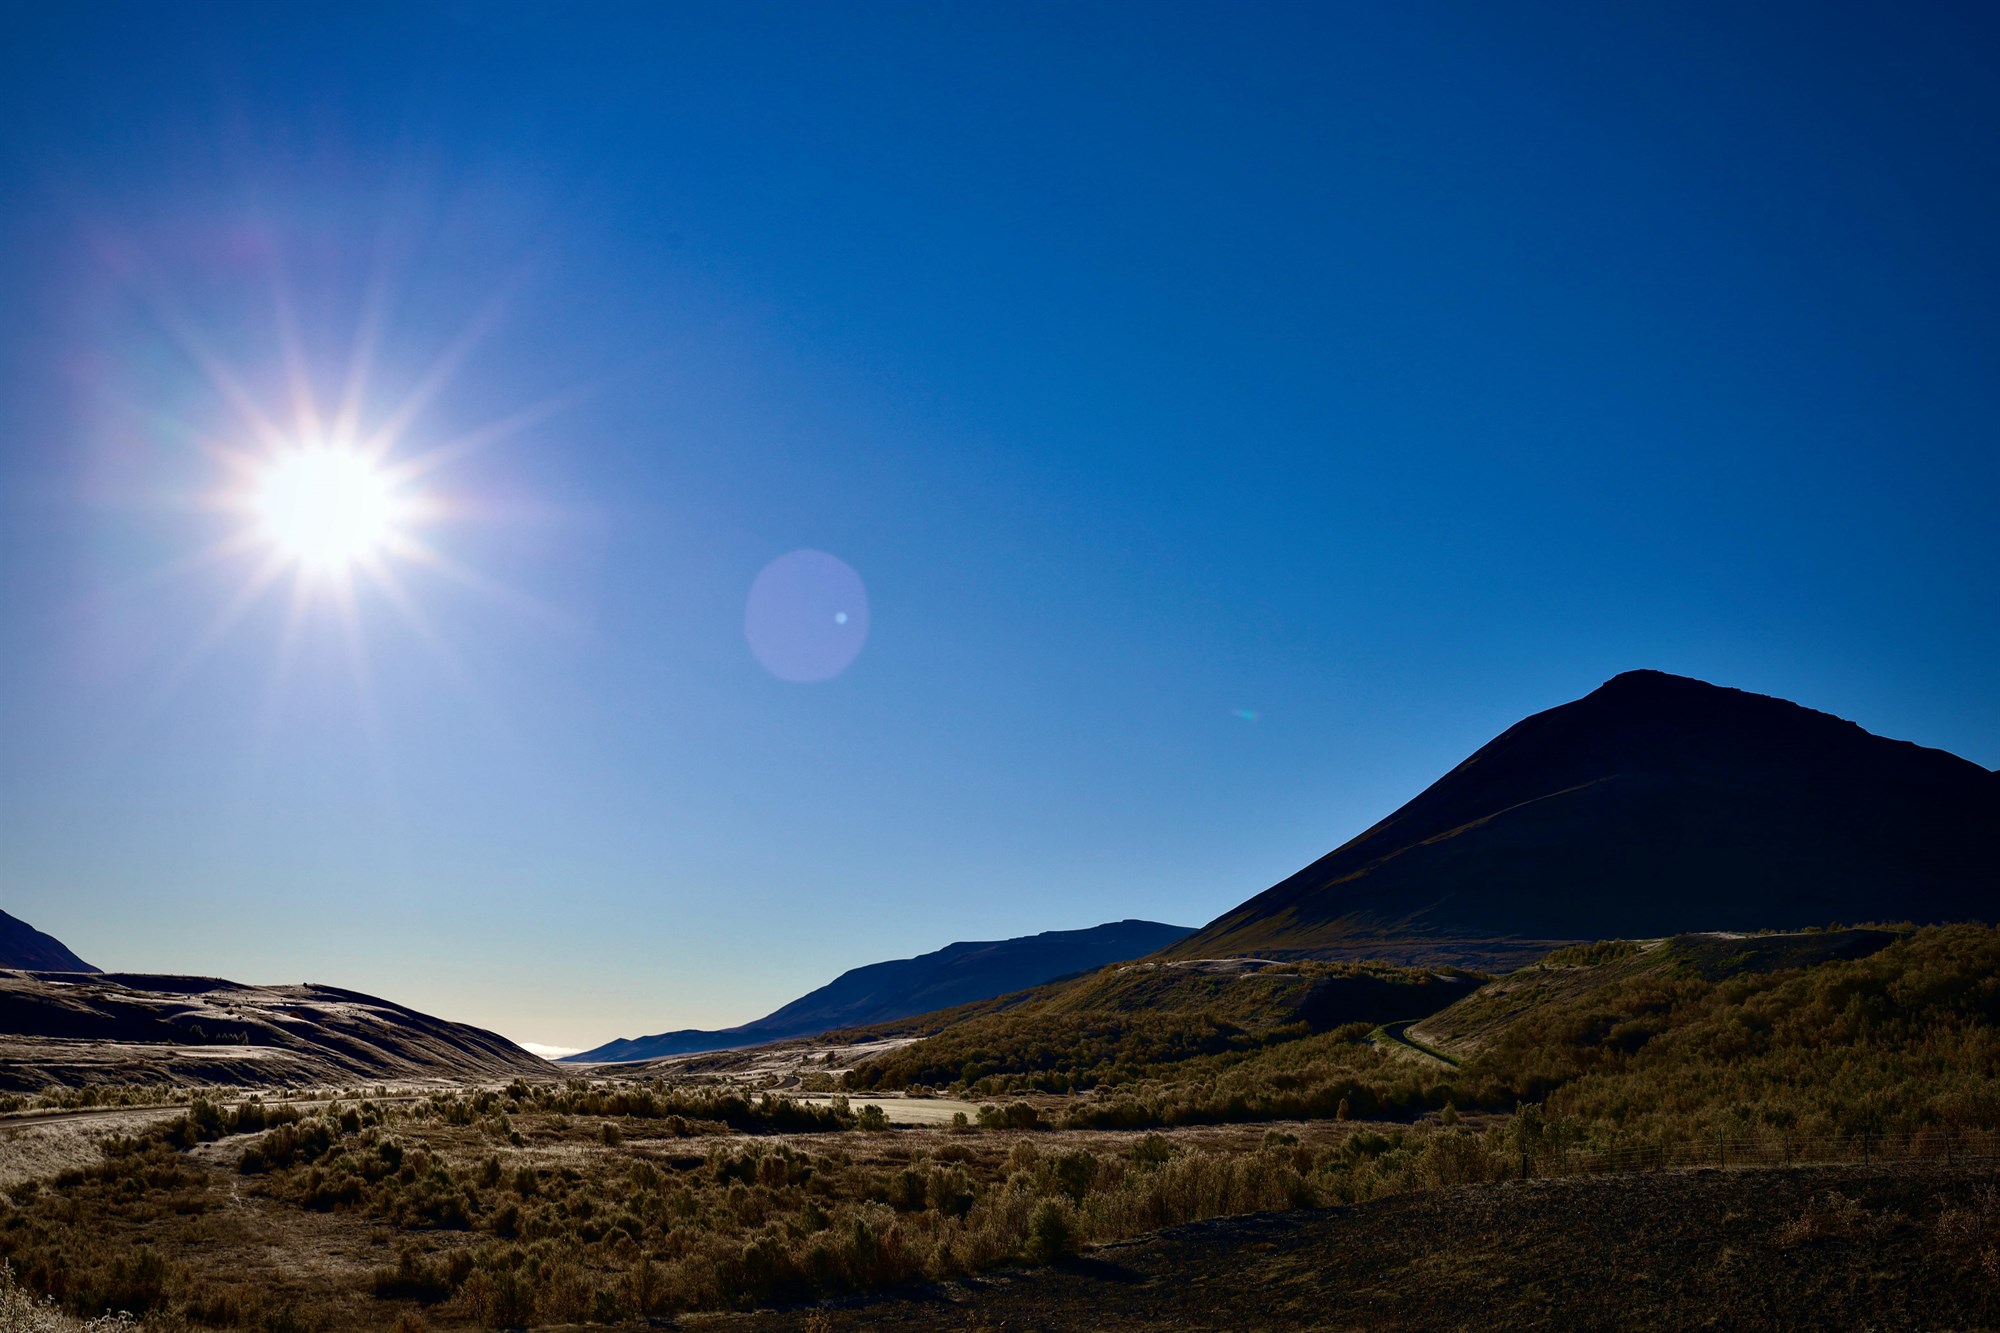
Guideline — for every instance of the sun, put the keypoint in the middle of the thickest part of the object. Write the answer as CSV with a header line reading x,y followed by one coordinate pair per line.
x,y
327,507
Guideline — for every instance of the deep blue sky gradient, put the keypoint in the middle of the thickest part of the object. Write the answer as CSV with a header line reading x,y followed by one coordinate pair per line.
x,y
1380,372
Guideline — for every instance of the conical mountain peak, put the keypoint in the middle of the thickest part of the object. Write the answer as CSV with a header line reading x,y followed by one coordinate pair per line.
x,y
1654,804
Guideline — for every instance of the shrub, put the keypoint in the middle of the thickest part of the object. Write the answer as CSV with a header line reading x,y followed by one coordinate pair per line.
x,y
1051,1232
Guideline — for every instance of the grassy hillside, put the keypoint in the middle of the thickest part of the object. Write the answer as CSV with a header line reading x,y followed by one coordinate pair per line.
x,y
1819,1033
1572,975
1905,1037
1143,1021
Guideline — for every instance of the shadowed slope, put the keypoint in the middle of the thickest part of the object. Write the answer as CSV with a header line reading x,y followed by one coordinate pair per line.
x,y
58,1028
21,945
882,992
1656,804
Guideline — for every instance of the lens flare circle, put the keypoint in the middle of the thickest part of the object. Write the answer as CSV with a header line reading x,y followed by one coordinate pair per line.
x,y
807,617
326,506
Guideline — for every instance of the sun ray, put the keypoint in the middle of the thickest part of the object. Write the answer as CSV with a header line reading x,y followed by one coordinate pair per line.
x,y
485,437
398,596
361,361
415,552
383,439
281,667
358,670
333,496
222,551
305,407
220,377
233,611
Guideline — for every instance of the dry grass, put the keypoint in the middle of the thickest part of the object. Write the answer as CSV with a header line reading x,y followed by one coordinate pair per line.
x,y
531,1206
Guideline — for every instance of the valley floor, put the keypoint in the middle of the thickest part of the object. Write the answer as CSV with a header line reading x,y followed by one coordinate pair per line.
x,y
1808,1248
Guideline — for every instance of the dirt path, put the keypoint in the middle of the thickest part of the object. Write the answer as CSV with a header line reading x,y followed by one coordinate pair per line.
x,y
1398,1035
912,1110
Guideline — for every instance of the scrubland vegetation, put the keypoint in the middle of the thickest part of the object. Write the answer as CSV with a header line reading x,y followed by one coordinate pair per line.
x,y
1654,1046
1130,1024
98,1096
1181,1098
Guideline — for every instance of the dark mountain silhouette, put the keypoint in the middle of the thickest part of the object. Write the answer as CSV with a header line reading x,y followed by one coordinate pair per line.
x,y
21,945
954,975
120,1027
1654,805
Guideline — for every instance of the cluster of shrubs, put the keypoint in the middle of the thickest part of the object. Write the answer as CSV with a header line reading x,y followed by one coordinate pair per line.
x,y
688,1111
94,1095
508,1237
1892,1043
757,1224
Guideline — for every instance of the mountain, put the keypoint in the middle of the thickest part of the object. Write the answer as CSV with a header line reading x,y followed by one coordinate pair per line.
x,y
62,1028
880,992
1654,805
21,945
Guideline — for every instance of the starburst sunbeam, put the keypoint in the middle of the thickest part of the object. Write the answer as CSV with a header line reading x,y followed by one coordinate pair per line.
x,y
332,495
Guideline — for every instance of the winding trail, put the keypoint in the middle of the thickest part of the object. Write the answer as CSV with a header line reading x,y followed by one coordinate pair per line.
x,y
1397,1034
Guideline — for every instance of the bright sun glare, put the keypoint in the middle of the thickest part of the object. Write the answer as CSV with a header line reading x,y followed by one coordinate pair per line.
x,y
326,507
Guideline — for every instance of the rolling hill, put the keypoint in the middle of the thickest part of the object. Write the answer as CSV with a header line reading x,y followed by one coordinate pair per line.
x,y
65,1029
882,992
1654,805
1127,1021
21,945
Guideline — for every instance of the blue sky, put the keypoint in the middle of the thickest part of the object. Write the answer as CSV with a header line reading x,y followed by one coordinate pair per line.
x,y
1235,414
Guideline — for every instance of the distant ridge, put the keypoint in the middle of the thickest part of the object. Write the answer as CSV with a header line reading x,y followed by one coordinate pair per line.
x,y
881,992
1655,804
21,945
121,1027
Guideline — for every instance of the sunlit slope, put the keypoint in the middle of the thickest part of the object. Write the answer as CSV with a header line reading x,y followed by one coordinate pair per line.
x,y
1811,1035
1583,986
127,1028
1654,805
1141,1016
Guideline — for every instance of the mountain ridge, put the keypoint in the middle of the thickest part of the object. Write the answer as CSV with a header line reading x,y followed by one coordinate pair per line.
x,y
958,973
1654,804
72,1029
22,946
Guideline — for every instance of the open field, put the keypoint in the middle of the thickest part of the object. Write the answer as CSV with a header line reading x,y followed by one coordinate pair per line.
x,y
517,1206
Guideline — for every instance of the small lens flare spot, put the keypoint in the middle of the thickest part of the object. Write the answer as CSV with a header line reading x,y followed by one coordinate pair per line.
x,y
1246,714
807,616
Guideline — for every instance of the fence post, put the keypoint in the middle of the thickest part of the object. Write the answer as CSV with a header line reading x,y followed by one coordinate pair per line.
x,y
1524,1163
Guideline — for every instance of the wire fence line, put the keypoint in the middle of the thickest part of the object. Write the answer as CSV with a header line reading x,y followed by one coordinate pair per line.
x,y
1931,1146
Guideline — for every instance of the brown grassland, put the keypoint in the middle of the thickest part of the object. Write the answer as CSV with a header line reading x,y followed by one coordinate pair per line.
x,y
1183,1099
